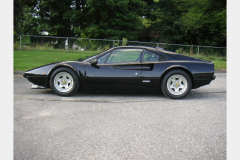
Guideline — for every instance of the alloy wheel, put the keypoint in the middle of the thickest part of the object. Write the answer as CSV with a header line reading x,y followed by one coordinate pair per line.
x,y
63,82
177,84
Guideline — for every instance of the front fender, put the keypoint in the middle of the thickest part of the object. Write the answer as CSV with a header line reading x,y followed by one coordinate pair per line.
x,y
41,75
42,70
78,67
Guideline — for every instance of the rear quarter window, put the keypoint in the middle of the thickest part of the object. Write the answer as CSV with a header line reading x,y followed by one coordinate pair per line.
x,y
151,56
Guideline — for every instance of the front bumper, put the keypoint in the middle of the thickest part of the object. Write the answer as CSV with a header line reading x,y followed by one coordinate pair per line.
x,y
39,80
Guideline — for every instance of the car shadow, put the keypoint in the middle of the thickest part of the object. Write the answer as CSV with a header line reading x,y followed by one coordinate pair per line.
x,y
120,93
193,95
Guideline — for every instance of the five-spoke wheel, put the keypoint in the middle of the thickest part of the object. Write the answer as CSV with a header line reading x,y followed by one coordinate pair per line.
x,y
64,81
176,84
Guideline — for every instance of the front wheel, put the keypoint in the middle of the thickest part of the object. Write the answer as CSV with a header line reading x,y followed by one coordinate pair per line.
x,y
176,84
64,81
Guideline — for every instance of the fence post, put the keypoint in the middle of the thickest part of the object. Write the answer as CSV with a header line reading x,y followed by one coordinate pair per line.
x,y
67,45
20,42
113,43
198,52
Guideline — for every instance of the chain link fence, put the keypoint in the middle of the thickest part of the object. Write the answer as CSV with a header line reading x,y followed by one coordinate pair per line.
x,y
73,45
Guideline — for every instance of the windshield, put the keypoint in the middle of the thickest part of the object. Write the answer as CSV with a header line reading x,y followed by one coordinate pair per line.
x,y
89,59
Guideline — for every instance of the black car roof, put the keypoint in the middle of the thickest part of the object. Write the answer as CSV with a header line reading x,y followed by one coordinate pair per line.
x,y
145,47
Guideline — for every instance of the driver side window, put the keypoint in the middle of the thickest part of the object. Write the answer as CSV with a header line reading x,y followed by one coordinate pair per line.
x,y
125,55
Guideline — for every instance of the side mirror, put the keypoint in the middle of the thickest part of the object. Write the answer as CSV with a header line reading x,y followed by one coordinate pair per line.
x,y
94,62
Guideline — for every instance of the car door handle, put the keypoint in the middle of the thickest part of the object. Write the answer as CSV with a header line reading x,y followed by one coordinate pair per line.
x,y
146,68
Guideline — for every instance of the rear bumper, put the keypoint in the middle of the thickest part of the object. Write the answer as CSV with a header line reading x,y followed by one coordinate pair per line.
x,y
213,77
203,79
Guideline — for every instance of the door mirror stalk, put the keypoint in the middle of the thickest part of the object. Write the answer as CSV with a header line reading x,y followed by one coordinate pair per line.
x,y
94,62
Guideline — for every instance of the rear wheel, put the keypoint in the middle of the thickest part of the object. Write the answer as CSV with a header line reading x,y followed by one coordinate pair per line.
x,y
176,84
64,81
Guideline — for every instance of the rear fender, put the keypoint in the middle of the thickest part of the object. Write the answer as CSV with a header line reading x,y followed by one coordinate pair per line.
x,y
184,68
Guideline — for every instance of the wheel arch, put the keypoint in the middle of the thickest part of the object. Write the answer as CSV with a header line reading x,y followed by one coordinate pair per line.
x,y
180,68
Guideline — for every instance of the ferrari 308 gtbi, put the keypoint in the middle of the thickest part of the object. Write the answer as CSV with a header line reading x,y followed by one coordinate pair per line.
x,y
126,66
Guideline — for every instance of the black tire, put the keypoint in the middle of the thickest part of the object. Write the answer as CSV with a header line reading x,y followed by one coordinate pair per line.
x,y
64,82
176,84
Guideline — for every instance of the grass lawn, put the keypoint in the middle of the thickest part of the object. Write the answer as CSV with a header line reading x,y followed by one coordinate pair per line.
x,y
26,60
220,65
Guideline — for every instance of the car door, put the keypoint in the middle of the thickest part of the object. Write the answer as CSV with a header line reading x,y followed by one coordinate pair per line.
x,y
120,66
150,75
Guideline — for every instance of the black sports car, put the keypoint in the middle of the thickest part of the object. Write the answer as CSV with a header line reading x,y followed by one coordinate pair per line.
x,y
133,66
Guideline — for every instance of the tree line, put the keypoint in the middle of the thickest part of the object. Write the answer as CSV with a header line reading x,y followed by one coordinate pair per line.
x,y
194,22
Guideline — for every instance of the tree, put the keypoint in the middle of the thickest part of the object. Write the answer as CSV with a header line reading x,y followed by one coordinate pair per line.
x,y
56,15
161,21
86,18
201,22
204,22
25,20
113,19
18,16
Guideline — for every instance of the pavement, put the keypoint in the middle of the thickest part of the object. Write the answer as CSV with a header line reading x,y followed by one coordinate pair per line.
x,y
109,125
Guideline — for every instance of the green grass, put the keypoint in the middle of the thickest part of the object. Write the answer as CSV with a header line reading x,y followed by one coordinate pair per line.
x,y
220,63
26,60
